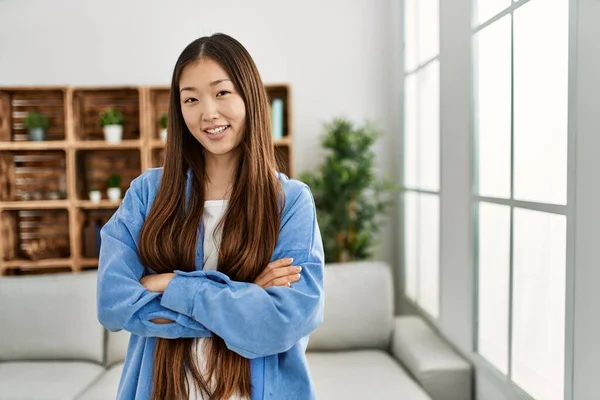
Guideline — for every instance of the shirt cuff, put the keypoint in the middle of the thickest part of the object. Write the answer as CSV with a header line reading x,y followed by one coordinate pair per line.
x,y
179,295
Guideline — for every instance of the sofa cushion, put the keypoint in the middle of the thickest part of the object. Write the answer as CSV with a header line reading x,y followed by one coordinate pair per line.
x,y
358,307
46,380
50,317
116,348
443,373
106,387
365,374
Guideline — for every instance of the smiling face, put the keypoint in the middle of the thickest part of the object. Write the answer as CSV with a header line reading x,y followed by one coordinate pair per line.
x,y
212,109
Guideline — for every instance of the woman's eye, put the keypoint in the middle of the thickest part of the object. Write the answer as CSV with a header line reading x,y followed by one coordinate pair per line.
x,y
189,100
222,93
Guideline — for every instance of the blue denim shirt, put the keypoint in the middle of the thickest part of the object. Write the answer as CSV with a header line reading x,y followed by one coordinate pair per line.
x,y
268,326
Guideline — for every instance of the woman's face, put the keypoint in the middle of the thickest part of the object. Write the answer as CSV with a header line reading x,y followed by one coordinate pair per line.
x,y
213,110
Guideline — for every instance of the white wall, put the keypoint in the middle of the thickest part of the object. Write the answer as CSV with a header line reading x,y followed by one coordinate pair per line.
x,y
334,53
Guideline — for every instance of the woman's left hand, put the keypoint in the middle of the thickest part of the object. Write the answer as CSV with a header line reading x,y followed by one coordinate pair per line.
x,y
157,282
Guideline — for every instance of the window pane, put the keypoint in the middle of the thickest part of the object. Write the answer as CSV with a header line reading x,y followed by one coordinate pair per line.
x,y
539,303
486,9
493,109
411,142
541,101
429,30
410,35
429,253
429,127
494,276
411,244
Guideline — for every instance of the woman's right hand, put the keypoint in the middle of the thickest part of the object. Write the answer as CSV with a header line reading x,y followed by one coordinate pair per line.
x,y
279,273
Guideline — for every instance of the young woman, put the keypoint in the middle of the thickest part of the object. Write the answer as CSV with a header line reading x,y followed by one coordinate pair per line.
x,y
197,261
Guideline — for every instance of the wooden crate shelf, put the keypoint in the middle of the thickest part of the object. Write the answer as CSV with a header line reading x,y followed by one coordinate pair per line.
x,y
101,144
158,106
27,145
31,205
91,102
16,103
283,159
90,221
73,158
33,175
50,266
35,235
104,204
95,166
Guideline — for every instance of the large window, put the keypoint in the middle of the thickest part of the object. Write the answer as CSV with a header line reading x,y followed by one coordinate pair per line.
x,y
421,152
521,140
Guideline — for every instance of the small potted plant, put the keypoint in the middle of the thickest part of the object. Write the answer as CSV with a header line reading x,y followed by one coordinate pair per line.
x,y
163,125
95,195
36,125
114,188
111,121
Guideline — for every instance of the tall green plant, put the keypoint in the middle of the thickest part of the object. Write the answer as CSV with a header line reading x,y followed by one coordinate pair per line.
x,y
350,200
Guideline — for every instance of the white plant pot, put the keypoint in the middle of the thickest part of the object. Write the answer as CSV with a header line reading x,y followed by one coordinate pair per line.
x,y
113,133
37,134
114,194
95,196
163,134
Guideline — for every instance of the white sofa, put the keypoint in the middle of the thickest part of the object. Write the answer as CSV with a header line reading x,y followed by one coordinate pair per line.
x,y
52,346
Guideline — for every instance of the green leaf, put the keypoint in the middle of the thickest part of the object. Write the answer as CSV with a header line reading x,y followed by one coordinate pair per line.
x,y
111,116
36,120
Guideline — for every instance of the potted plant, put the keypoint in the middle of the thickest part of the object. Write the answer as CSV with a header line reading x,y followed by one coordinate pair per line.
x,y
36,125
349,199
163,125
111,121
114,187
95,195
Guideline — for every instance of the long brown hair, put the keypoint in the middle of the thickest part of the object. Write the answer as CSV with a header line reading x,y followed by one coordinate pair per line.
x,y
250,225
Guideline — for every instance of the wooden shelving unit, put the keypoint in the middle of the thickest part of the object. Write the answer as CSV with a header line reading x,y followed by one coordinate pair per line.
x,y
47,222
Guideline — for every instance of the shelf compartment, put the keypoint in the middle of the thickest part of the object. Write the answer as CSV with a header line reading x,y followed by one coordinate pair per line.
x,y
282,155
16,103
89,103
280,92
32,175
95,166
90,224
35,235
159,105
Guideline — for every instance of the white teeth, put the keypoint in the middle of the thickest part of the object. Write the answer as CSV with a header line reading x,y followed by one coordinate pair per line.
x,y
218,130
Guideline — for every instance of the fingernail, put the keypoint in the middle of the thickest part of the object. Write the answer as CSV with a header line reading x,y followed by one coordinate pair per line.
x,y
291,260
298,269
298,276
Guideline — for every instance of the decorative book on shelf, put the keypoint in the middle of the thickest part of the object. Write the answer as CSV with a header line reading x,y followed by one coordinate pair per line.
x,y
67,156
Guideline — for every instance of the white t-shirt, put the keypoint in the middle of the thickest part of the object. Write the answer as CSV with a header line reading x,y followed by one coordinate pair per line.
x,y
213,212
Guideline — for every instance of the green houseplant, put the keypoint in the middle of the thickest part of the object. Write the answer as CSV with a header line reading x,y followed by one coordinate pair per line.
x,y
163,124
350,200
112,121
114,187
36,125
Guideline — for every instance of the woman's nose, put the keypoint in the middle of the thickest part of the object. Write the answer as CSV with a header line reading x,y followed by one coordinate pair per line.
x,y
209,111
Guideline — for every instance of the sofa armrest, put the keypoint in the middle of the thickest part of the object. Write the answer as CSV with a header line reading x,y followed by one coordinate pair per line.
x,y
435,365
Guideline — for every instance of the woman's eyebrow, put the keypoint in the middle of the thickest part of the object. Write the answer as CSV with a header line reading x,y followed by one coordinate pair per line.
x,y
213,83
